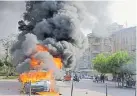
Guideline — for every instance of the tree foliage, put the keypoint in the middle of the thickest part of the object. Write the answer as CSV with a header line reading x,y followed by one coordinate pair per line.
x,y
111,63
117,60
100,63
130,68
6,65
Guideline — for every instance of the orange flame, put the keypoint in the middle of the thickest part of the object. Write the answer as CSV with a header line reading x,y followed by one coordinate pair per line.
x,y
58,63
39,75
41,48
35,76
35,63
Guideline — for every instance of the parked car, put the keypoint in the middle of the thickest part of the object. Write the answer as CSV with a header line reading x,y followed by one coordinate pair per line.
x,y
67,77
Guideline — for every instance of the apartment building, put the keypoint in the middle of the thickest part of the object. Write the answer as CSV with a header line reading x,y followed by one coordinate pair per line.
x,y
124,39
121,39
99,44
84,62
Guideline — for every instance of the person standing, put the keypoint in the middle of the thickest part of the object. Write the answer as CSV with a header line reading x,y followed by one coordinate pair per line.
x,y
103,78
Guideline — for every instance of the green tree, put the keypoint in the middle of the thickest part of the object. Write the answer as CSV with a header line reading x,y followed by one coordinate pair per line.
x,y
116,61
100,63
130,68
5,62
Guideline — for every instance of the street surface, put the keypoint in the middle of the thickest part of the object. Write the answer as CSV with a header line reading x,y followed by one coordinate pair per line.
x,y
100,87
82,88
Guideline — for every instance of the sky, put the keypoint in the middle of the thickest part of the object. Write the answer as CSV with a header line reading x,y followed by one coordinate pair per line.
x,y
11,12
123,12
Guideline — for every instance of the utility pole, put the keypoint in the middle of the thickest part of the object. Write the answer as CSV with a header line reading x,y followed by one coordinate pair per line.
x,y
135,91
30,88
72,84
106,90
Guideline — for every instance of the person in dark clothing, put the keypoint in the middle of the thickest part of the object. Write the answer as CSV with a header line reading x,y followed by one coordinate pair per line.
x,y
102,77
96,79
76,78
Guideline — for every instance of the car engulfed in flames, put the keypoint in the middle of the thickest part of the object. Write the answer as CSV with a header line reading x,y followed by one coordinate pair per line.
x,y
40,86
37,80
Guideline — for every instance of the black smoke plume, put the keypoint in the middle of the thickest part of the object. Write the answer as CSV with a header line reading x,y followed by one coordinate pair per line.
x,y
54,24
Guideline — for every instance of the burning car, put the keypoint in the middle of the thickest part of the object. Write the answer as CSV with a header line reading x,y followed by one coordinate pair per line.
x,y
51,38
39,86
38,83
37,80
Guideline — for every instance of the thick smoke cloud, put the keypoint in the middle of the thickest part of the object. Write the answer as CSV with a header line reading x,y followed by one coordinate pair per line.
x,y
99,10
55,25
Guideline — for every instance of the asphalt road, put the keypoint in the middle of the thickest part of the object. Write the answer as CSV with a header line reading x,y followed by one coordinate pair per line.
x,y
9,87
82,88
100,87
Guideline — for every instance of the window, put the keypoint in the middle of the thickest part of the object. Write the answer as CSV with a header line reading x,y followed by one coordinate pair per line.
x,y
97,40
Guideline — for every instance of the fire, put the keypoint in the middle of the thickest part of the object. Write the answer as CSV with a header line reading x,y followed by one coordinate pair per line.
x,y
58,63
34,76
38,74
35,63
41,48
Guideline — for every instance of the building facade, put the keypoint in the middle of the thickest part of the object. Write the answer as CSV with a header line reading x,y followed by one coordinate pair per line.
x,y
124,40
99,45
84,63
120,40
